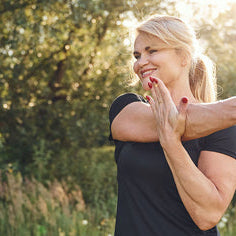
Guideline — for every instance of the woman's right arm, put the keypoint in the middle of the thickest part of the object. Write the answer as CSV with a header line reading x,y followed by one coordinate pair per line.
x,y
135,122
206,118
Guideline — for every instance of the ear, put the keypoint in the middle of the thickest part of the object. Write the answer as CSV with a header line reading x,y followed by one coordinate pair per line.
x,y
185,59
184,63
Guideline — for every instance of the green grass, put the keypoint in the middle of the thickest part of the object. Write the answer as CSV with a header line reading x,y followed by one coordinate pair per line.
x,y
28,208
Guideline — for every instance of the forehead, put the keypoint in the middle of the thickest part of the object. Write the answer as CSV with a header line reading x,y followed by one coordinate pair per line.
x,y
144,40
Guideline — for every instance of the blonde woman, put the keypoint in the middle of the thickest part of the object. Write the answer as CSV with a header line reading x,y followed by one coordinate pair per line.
x,y
175,151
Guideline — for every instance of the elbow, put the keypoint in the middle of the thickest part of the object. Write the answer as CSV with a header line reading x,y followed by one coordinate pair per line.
x,y
208,221
206,225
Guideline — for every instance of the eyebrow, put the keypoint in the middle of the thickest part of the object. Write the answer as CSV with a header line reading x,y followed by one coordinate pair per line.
x,y
146,49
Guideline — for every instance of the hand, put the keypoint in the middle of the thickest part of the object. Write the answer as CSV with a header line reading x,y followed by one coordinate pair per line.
x,y
170,120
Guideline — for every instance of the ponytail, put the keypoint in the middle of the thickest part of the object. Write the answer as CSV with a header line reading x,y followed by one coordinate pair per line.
x,y
202,79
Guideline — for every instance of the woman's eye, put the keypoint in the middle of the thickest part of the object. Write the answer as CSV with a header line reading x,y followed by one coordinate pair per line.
x,y
152,51
137,56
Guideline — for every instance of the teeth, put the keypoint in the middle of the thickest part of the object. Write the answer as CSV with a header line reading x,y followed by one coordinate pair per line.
x,y
147,72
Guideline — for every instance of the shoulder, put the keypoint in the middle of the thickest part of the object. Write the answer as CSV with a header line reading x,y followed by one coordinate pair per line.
x,y
123,100
130,115
223,141
221,135
127,98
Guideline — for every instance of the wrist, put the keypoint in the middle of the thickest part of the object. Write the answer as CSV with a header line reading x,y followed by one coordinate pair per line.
x,y
170,142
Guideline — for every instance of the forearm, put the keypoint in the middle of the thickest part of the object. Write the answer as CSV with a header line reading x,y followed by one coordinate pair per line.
x,y
198,193
204,119
136,121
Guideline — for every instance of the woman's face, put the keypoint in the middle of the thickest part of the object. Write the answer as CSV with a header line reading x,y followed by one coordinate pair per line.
x,y
153,58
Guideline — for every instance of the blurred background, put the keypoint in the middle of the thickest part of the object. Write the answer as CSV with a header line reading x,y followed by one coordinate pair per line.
x,y
62,63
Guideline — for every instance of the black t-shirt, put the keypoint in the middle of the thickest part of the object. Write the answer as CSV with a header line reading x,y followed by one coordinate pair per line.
x,y
148,200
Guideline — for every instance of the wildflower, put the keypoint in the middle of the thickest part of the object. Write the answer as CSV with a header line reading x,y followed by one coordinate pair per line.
x,y
61,233
103,222
84,222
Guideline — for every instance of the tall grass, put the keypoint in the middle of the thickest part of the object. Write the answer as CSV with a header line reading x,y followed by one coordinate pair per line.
x,y
28,207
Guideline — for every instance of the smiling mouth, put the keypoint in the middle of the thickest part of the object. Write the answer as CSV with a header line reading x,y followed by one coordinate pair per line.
x,y
147,73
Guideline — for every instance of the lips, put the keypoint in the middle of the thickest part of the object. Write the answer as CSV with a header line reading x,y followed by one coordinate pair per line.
x,y
147,72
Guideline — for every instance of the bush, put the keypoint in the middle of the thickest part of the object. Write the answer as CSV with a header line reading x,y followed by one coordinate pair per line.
x,y
94,170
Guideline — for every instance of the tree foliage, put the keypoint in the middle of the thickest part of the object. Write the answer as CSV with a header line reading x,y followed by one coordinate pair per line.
x,y
61,61
62,64
220,37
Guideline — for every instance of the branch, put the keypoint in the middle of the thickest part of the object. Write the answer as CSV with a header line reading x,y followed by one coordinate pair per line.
x,y
61,67
99,41
41,64
17,6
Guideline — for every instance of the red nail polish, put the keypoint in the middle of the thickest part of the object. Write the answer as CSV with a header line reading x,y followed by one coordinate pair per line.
x,y
153,80
150,85
184,100
148,98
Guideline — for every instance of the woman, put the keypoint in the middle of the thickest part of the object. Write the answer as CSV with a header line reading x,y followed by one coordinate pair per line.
x,y
167,186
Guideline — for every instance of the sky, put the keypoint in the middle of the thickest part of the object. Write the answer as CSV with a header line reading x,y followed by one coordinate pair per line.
x,y
186,8
191,11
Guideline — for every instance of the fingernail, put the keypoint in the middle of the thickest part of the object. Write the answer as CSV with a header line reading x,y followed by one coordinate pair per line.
x,y
150,85
153,79
148,98
184,100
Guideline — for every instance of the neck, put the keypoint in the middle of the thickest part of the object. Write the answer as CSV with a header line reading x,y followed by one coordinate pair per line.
x,y
179,89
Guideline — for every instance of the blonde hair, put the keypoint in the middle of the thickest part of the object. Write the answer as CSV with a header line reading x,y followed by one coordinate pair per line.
x,y
175,33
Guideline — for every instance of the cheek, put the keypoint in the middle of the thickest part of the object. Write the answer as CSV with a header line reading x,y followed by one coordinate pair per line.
x,y
144,81
135,67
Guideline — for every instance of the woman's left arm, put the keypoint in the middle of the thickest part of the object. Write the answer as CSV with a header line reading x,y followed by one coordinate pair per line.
x,y
207,190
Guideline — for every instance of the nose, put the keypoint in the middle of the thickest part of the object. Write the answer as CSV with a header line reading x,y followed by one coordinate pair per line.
x,y
143,60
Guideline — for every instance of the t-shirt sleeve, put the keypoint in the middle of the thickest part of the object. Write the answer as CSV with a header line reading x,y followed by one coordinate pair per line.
x,y
223,141
119,103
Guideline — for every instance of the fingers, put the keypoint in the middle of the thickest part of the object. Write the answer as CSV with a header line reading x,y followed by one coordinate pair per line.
x,y
154,90
152,104
161,92
183,105
158,93
151,85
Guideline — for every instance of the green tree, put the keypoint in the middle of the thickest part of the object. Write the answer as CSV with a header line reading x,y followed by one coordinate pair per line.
x,y
220,37
63,62
55,81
